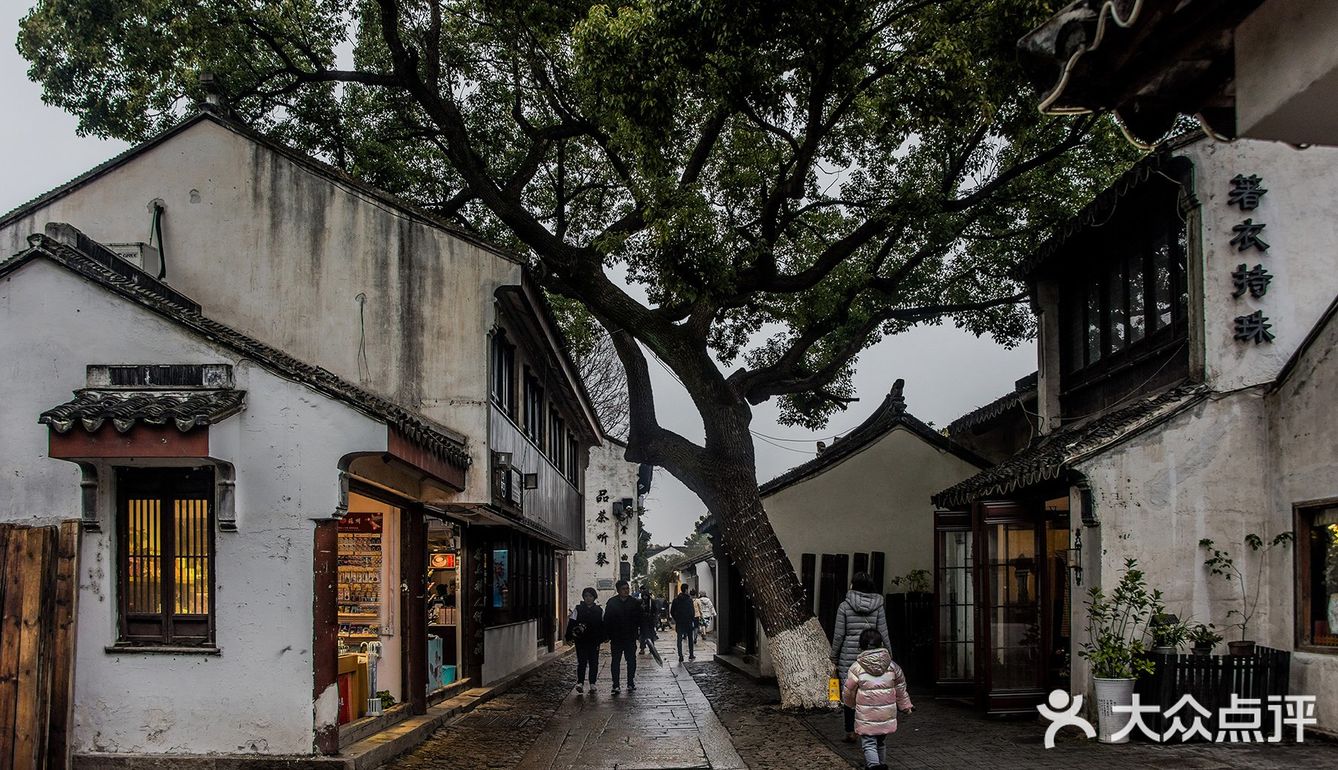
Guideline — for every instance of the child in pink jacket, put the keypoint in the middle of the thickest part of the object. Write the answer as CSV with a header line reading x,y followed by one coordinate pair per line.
x,y
875,688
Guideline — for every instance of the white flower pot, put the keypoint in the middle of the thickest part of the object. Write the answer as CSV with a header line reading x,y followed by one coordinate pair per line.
x,y
1111,693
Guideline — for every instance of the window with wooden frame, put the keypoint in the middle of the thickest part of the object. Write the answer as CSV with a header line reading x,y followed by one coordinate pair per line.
x,y
1317,578
557,434
503,362
1124,304
534,408
573,459
165,556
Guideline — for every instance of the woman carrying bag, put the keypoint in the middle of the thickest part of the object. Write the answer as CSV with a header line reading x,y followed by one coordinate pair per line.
x,y
861,609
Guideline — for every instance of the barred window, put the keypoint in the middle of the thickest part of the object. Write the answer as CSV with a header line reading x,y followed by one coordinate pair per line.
x,y
165,537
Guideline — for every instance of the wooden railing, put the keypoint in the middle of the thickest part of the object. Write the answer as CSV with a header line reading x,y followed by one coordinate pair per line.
x,y
1211,680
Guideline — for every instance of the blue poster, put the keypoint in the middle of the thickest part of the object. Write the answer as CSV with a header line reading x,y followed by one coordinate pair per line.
x,y
501,577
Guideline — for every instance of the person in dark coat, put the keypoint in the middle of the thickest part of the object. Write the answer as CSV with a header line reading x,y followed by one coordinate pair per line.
x,y
622,623
685,619
649,604
862,608
585,629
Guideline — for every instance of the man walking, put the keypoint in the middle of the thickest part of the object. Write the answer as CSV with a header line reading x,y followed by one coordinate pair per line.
x,y
647,631
622,623
684,620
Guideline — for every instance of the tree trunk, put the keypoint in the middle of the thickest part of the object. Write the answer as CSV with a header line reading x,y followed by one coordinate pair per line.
x,y
799,647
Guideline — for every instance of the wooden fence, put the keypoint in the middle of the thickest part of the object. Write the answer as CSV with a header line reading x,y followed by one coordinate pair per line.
x,y
1211,680
38,590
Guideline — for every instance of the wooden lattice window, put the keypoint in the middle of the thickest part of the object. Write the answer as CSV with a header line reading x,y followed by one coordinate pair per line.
x,y
165,564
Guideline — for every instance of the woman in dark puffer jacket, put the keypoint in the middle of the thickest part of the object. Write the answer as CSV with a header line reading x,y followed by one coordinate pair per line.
x,y
861,609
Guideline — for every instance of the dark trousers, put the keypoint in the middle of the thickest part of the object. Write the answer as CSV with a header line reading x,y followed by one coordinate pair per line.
x,y
621,649
850,718
685,634
587,655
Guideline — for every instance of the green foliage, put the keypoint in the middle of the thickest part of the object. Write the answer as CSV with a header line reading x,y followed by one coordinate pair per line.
x,y
1117,625
1204,635
784,181
661,577
1168,630
917,580
1220,564
642,543
698,542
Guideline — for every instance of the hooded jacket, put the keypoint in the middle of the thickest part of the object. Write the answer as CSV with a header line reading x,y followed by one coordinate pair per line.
x,y
857,612
585,625
875,688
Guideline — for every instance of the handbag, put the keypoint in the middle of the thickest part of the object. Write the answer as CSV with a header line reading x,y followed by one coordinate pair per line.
x,y
834,690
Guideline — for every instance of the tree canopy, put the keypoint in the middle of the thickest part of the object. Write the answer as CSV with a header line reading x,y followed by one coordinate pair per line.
x,y
754,191
814,175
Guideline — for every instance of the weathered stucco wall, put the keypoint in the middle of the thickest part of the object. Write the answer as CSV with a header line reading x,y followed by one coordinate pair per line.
x,y
874,500
285,446
1303,425
1301,231
284,254
607,472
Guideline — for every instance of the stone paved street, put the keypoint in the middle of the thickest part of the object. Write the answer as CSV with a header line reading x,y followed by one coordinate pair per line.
x,y
944,735
702,715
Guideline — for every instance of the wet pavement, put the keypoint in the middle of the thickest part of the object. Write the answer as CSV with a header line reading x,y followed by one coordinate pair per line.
x,y
701,715
666,723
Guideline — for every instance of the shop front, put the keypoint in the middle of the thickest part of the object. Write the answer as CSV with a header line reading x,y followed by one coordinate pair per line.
x,y
1002,585
400,626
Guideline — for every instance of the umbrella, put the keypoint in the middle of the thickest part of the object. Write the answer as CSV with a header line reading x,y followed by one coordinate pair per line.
x,y
654,653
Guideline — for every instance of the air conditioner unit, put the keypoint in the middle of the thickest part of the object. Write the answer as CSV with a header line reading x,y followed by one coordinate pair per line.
x,y
140,254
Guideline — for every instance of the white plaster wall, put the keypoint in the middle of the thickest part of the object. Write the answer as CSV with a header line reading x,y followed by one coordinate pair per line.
x,y
1201,475
607,471
257,695
509,648
282,254
874,500
1303,425
1301,232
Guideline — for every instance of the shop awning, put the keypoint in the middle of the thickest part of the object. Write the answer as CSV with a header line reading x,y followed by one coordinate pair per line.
x,y
183,409
1055,453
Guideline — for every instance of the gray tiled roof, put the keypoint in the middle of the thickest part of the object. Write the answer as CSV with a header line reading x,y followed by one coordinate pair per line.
x,y
152,295
185,409
890,414
1056,452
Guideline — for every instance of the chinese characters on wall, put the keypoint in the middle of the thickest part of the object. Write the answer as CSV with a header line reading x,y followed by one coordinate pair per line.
x,y
1246,191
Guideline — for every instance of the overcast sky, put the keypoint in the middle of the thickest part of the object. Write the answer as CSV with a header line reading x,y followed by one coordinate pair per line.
x,y
947,371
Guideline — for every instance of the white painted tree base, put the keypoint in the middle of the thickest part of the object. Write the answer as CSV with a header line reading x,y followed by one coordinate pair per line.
x,y
802,657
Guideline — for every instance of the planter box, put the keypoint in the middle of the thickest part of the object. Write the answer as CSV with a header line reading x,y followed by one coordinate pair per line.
x,y
1211,680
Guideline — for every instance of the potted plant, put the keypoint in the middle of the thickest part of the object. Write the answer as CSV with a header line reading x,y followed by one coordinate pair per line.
x,y
1116,627
1219,562
1205,638
1168,633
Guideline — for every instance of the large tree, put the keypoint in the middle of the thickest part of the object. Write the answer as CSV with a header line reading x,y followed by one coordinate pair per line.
x,y
753,191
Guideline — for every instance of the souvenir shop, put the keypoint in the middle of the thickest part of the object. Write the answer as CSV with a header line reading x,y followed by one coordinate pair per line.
x,y
384,548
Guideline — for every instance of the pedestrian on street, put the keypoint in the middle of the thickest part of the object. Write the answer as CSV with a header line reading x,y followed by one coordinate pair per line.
x,y
647,632
696,615
684,620
622,623
708,612
875,689
585,629
861,609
